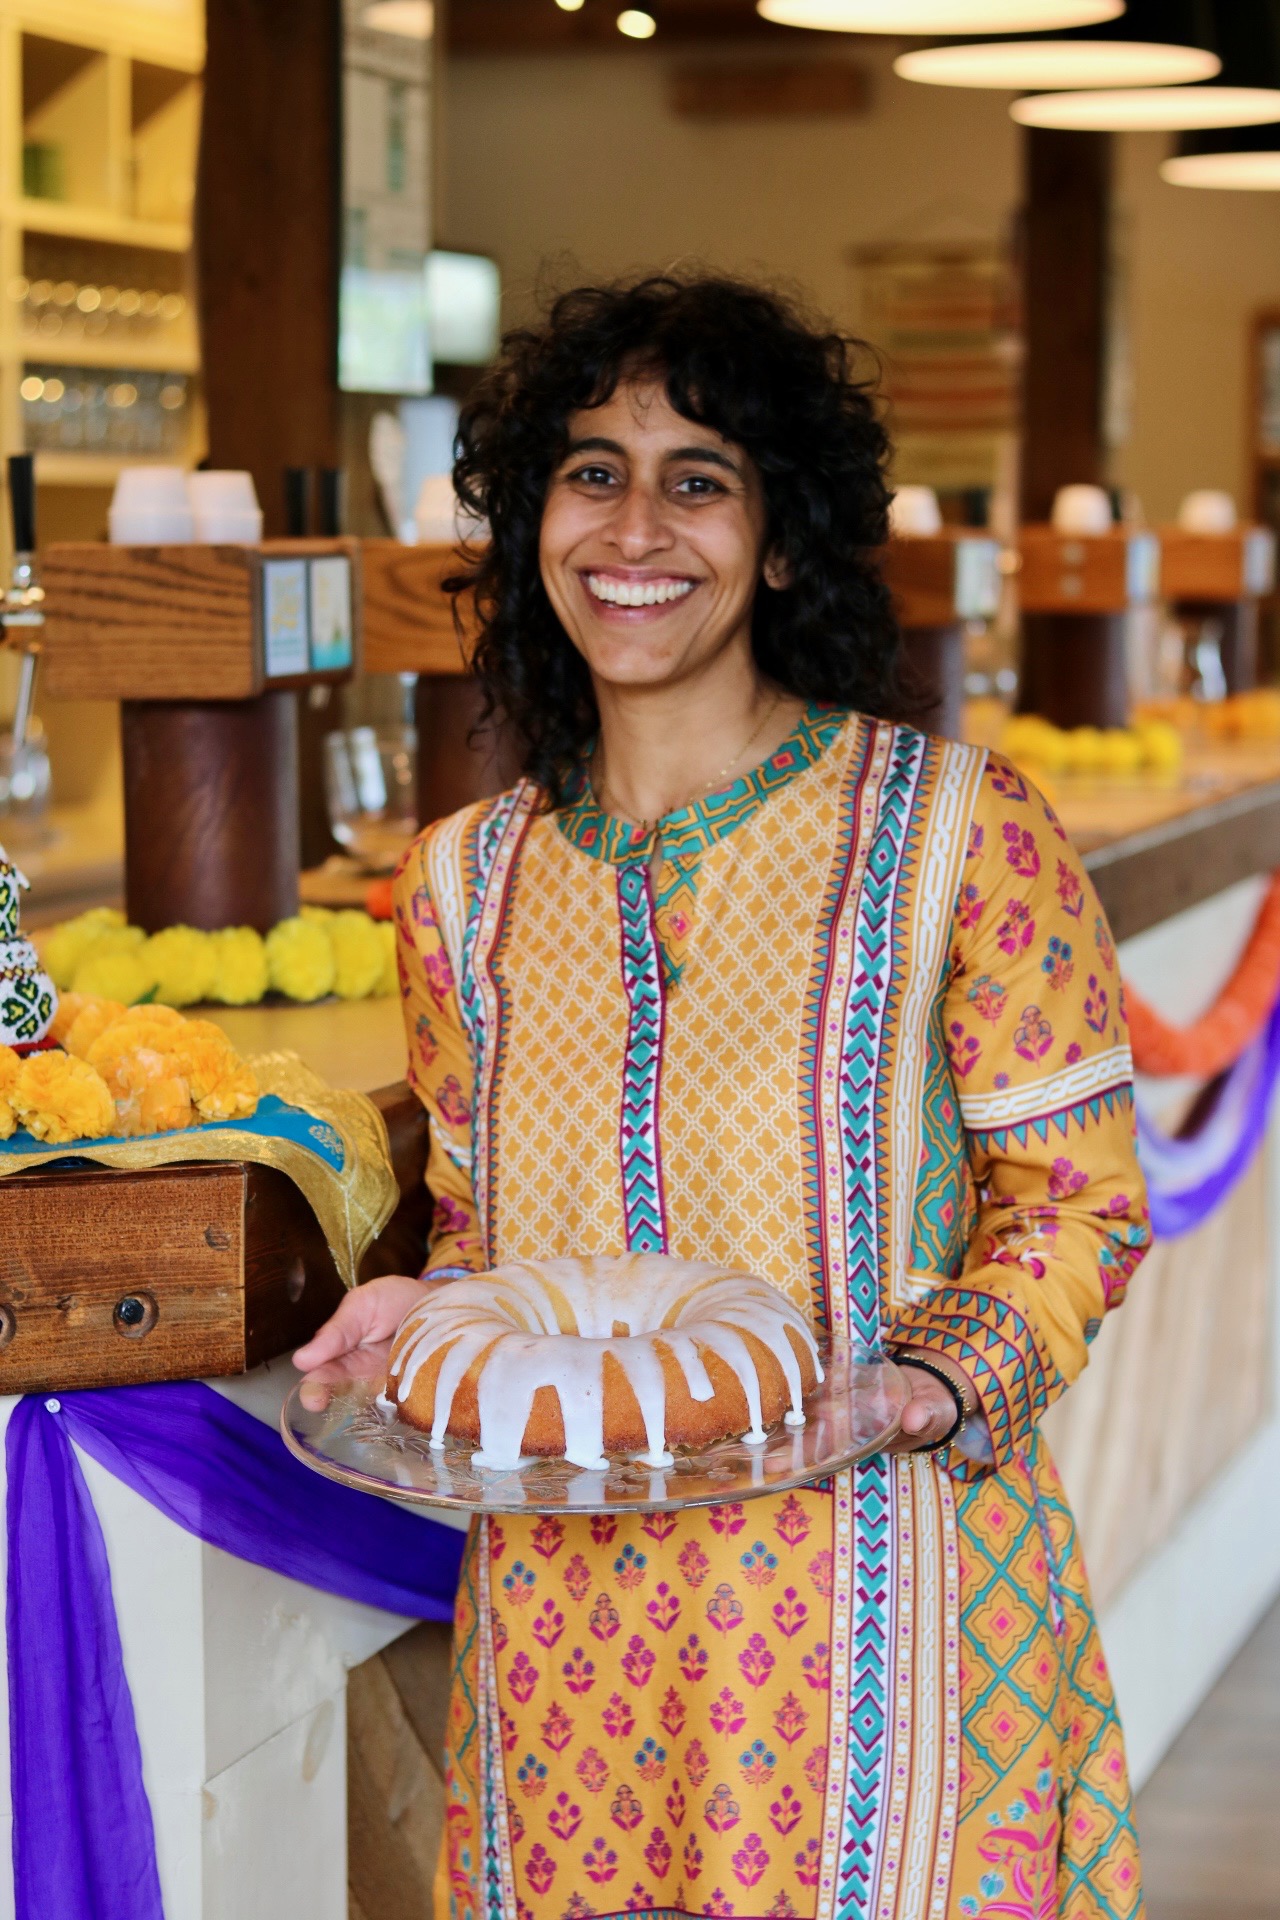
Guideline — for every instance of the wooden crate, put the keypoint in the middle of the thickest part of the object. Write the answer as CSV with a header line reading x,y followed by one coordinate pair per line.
x,y
111,1276
1217,567
937,579
407,616
1093,573
172,622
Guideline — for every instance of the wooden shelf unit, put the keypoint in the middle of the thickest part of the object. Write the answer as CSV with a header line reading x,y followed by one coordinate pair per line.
x,y
99,121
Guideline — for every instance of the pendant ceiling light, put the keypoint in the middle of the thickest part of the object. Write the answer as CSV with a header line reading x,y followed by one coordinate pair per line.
x,y
939,16
1149,109
1246,159
1157,43
1246,91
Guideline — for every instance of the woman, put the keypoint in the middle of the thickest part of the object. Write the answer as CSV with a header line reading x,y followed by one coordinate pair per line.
x,y
743,973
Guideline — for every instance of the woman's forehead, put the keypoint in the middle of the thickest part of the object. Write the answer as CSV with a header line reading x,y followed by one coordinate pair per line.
x,y
638,411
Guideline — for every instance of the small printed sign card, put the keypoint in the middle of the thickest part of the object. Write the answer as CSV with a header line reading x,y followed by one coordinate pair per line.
x,y
307,616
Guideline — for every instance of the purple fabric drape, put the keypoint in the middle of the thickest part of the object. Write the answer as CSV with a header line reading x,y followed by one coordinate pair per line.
x,y
1190,1174
83,1846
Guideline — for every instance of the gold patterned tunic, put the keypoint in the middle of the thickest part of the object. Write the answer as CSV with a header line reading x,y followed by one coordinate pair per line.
x,y
863,1036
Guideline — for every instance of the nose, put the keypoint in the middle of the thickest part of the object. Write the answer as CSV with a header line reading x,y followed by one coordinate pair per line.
x,y
639,525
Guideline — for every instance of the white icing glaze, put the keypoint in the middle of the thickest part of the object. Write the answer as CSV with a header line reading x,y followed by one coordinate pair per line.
x,y
628,1306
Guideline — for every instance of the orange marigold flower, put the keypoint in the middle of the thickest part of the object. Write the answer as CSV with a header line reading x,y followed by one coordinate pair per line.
x,y
59,1098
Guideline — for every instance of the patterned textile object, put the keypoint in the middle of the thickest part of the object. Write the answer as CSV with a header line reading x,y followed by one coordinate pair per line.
x,y
864,1036
330,1141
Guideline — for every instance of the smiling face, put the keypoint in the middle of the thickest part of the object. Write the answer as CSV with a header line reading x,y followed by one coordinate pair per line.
x,y
652,545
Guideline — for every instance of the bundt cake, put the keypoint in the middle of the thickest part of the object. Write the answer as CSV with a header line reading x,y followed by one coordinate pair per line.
x,y
585,1357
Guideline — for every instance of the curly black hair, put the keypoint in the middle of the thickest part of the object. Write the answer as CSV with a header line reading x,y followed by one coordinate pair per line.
x,y
734,356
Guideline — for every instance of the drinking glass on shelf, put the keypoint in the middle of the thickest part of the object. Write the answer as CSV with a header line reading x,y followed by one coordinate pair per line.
x,y
370,777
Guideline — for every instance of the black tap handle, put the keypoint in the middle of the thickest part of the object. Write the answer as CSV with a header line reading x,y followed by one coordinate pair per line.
x,y
297,502
22,501
332,501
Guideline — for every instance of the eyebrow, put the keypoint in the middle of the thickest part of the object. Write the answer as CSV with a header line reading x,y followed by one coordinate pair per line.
x,y
595,443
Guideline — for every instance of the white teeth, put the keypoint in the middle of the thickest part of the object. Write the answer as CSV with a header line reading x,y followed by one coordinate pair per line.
x,y
637,593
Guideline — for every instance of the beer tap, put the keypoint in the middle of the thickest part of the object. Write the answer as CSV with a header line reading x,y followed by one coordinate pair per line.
x,y
23,616
24,764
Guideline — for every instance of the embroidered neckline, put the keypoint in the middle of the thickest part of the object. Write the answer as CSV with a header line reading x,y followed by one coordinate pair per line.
x,y
694,828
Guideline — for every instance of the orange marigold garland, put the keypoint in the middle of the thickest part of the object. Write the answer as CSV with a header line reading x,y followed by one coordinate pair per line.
x,y
1216,1040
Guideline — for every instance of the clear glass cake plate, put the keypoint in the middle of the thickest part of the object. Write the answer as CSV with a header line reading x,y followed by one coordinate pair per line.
x,y
334,1423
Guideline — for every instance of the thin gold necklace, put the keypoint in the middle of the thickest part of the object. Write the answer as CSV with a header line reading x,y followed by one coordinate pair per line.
x,y
599,791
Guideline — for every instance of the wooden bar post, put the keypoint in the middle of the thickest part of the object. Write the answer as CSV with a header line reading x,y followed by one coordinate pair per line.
x,y
211,811
1073,661
938,582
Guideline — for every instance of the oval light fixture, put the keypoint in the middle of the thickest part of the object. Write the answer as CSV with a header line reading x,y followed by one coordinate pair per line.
x,y
1149,109
939,16
1246,160
1246,92
411,19
637,24
1012,66
1157,43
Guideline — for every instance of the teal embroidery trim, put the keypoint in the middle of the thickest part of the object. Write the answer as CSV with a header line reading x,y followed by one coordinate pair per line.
x,y
692,829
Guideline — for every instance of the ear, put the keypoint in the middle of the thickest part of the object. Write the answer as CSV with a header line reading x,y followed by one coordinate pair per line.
x,y
777,571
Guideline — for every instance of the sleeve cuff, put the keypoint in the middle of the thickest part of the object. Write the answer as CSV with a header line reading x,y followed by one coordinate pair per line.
x,y
997,1348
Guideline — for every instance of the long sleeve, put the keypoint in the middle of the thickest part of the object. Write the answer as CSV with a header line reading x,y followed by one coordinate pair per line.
x,y
440,1066
1036,1038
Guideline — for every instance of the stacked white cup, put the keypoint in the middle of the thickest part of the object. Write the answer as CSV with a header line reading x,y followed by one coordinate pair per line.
x,y
158,506
915,511
151,507
225,506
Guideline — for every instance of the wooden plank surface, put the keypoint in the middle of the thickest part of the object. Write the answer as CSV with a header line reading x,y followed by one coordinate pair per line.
x,y
149,623
1207,1816
396,1707
175,622
408,617
1175,1387
1070,573
1149,875
1219,566
76,1241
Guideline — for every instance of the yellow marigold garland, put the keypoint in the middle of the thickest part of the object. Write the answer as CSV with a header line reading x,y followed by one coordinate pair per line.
x,y
97,957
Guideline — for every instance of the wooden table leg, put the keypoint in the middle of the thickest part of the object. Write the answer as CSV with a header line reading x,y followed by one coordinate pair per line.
x,y
211,811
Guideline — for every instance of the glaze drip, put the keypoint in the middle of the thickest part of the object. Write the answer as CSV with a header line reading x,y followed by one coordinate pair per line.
x,y
632,1307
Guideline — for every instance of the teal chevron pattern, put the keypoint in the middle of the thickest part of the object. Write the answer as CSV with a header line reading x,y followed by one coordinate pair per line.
x,y
868,1009
488,838
487,1048
815,1010
1081,1115
944,1198
639,1148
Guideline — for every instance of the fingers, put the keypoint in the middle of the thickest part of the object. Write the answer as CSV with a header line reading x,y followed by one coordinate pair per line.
x,y
928,1416
366,1316
343,1331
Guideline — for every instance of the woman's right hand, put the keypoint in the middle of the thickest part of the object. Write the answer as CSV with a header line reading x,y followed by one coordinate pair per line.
x,y
367,1317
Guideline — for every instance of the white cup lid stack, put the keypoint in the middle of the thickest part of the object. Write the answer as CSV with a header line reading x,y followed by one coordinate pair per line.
x,y
157,506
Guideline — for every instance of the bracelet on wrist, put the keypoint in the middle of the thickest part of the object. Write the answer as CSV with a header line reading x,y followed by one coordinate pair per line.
x,y
957,1386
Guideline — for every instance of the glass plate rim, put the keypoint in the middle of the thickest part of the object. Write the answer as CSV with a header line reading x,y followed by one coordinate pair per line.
x,y
367,1482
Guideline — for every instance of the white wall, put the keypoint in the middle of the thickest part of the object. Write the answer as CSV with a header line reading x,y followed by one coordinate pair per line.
x,y
577,161
581,154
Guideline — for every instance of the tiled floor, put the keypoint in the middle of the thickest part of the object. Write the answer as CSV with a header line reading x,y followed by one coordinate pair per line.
x,y
1209,1818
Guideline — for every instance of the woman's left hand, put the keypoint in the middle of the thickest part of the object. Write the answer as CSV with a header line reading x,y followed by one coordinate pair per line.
x,y
929,1414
